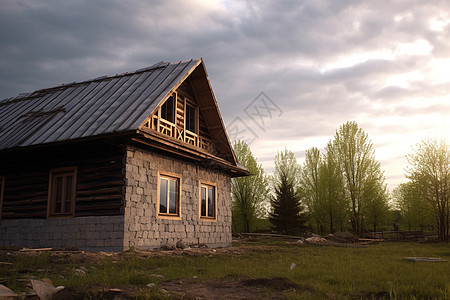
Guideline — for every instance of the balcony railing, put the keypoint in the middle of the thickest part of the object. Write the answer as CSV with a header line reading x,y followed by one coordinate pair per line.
x,y
170,129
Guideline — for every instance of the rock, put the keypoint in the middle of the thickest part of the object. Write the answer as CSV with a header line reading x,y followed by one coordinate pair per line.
x,y
151,285
181,245
79,273
157,276
44,290
6,293
29,295
168,247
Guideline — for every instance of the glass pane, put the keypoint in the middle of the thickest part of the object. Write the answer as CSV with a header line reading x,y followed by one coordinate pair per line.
x,y
210,202
173,187
68,196
203,202
167,110
190,118
163,195
58,193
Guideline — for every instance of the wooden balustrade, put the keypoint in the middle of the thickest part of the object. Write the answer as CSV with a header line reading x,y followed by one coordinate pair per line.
x,y
170,129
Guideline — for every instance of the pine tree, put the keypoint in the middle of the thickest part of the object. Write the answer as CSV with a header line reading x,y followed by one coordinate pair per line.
x,y
287,211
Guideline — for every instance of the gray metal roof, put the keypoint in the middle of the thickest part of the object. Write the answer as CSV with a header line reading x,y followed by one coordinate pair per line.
x,y
105,105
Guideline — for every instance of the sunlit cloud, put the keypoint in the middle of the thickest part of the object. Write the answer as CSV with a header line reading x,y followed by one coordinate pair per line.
x,y
322,62
439,23
351,60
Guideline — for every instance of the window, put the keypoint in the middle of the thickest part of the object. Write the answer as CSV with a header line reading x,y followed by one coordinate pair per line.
x,y
191,118
207,201
169,195
62,192
2,189
168,109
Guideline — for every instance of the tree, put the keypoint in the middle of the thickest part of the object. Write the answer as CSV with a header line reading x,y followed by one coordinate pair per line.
x,y
248,193
311,186
287,211
416,213
429,172
333,193
362,175
377,209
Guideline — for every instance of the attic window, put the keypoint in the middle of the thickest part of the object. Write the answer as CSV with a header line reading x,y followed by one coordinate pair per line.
x,y
191,118
168,109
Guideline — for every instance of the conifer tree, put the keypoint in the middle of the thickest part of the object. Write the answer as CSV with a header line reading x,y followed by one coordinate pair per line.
x,y
287,214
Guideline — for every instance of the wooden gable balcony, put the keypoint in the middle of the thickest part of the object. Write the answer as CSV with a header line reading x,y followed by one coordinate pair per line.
x,y
170,129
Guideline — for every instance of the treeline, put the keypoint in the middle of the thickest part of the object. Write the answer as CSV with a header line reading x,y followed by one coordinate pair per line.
x,y
342,188
423,202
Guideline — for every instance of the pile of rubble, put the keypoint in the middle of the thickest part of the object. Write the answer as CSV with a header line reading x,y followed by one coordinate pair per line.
x,y
345,239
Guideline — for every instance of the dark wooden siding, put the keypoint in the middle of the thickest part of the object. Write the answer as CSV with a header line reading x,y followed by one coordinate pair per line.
x,y
100,182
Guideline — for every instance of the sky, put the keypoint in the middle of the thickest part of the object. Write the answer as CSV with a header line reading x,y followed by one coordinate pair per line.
x,y
286,74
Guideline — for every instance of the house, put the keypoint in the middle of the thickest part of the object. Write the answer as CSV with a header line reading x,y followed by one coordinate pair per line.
x,y
138,159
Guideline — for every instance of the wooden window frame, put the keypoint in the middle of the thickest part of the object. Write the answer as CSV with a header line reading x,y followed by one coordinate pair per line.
x,y
174,108
172,177
207,184
55,173
2,191
187,103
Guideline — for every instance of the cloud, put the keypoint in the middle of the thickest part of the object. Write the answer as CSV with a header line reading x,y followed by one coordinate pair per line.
x,y
322,62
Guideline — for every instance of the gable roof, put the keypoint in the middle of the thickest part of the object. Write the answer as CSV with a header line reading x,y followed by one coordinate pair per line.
x,y
95,107
105,106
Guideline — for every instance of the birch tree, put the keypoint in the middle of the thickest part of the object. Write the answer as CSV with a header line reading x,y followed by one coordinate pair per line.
x,y
362,174
332,186
249,193
311,187
429,172
416,212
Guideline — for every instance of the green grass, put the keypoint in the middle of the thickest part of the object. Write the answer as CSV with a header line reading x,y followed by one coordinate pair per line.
x,y
322,272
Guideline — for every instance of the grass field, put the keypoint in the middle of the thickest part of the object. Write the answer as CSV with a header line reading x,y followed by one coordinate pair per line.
x,y
318,272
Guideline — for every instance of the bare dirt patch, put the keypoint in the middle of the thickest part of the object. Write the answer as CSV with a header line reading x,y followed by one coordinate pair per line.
x,y
260,288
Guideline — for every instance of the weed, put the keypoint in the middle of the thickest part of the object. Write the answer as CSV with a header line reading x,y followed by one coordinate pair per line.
x,y
319,272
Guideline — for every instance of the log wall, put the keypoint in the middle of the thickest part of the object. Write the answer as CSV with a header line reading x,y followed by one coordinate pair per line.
x,y
100,182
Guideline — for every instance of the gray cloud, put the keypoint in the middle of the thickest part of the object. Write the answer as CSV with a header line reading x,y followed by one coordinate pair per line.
x,y
279,47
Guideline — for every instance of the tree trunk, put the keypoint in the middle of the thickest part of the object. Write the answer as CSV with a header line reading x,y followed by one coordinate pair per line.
x,y
331,223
